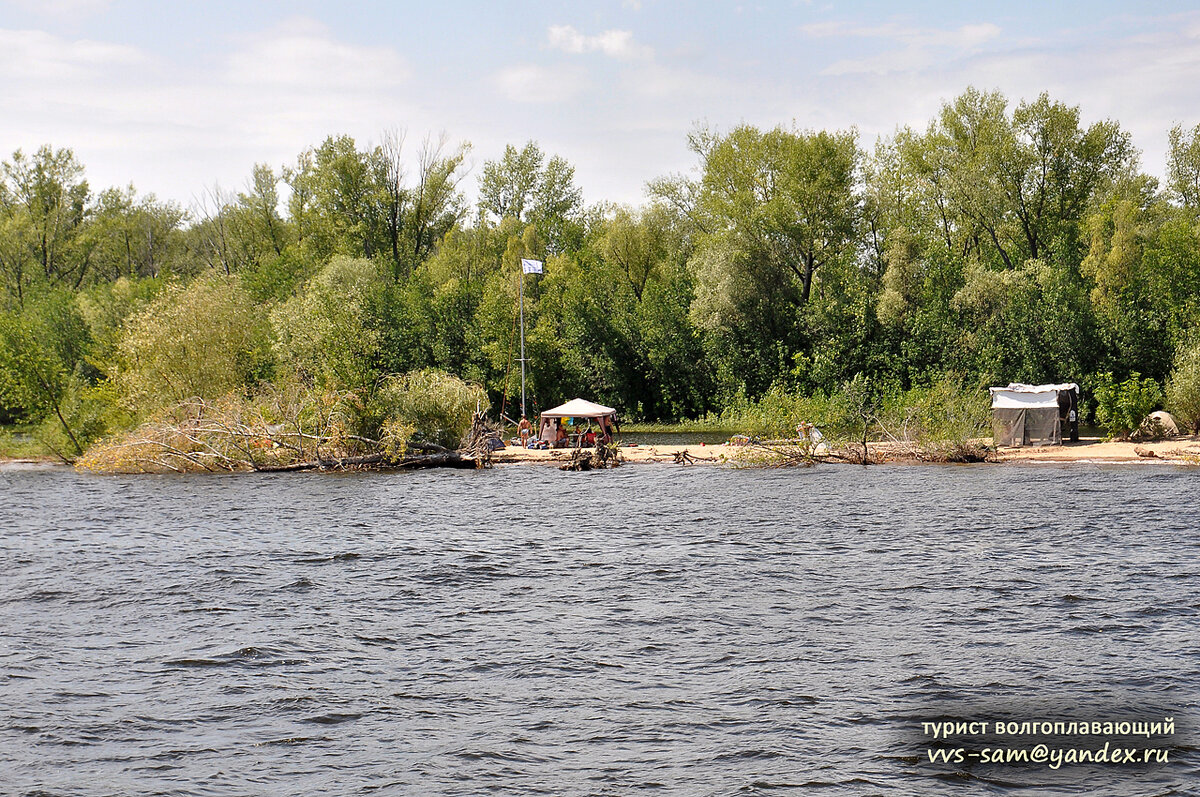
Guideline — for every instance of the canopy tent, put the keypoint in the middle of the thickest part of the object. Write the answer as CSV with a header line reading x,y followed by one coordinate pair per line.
x,y
1024,414
579,408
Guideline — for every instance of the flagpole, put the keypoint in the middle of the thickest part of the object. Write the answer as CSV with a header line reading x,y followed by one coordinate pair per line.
x,y
522,302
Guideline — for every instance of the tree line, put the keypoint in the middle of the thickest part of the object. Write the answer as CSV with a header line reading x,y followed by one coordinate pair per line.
x,y
998,243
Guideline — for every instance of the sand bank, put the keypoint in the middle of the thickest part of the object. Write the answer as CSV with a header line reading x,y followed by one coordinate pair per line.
x,y
1179,450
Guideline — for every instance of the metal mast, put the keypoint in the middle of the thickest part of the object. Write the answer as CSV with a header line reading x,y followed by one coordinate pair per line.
x,y
522,301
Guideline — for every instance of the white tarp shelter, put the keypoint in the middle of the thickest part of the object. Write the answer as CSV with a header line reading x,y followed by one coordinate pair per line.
x,y
579,408
1024,414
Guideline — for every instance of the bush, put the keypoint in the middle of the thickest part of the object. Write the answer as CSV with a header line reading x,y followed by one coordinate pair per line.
x,y
40,350
948,411
89,411
327,335
429,404
778,411
203,340
1183,388
1121,407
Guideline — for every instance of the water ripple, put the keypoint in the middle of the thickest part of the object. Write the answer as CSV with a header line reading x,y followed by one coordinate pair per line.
x,y
527,631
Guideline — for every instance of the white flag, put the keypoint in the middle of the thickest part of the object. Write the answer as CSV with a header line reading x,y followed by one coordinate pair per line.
x,y
531,266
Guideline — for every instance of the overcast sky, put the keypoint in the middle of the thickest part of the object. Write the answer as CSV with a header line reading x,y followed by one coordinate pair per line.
x,y
176,97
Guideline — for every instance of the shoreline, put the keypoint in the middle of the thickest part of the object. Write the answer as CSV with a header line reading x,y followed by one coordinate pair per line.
x,y
1183,450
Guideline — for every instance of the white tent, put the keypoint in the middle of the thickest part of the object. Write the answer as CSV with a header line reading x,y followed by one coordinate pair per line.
x,y
579,408
1025,414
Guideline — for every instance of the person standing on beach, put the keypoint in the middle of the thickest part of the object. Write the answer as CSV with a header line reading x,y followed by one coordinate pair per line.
x,y
524,430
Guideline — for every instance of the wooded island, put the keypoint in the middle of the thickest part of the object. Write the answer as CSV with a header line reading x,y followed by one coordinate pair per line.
x,y
356,301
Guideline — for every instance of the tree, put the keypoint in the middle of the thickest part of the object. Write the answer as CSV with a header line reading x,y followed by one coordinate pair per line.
x,y
520,187
638,243
418,216
43,210
40,349
787,199
329,334
335,201
1011,188
1183,387
132,237
507,186
778,207
1183,166
200,340
1054,170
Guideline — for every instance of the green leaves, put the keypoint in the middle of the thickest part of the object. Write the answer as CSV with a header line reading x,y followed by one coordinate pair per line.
x,y
204,339
1122,406
519,186
1183,387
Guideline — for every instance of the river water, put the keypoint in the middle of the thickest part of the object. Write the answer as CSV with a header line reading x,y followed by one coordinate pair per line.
x,y
649,629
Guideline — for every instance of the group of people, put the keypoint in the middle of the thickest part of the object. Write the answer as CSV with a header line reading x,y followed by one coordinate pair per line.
x,y
553,433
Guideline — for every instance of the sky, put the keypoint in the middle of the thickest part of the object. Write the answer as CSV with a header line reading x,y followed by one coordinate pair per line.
x,y
178,98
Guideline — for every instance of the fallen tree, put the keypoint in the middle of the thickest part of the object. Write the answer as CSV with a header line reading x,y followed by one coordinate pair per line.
x,y
276,434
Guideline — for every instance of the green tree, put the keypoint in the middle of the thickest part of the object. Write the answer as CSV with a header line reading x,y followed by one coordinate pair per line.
x,y
200,340
43,212
523,185
41,347
1183,387
133,237
416,217
1183,166
329,334
776,208
335,201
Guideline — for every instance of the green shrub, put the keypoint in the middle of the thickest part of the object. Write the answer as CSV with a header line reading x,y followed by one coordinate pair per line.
x,y
328,334
1121,407
429,404
778,411
1183,388
204,339
948,411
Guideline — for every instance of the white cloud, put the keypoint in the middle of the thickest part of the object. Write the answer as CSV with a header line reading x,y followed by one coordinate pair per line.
x,y
917,47
36,55
1144,81
173,128
301,54
617,44
176,118
965,35
529,83
62,9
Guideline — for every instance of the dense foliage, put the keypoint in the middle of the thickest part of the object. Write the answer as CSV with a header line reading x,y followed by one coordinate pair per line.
x,y
998,244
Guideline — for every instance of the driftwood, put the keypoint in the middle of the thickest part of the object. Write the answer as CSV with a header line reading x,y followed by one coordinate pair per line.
x,y
604,455
443,459
481,439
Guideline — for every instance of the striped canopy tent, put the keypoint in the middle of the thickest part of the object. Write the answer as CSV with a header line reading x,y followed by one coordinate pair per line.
x,y
579,408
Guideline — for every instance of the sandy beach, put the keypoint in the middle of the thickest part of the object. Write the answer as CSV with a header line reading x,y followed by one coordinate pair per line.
x,y
1183,450
1178,450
